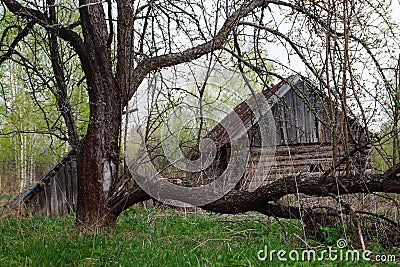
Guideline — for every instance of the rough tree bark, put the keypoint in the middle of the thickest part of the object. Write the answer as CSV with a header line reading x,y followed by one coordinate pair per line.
x,y
98,157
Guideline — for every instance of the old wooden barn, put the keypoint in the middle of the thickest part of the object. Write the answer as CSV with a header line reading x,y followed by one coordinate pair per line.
x,y
306,131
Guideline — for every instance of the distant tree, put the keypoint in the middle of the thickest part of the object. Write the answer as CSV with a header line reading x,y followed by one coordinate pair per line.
x,y
32,131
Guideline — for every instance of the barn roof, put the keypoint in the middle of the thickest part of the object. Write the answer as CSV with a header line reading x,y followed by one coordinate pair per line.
x,y
244,111
314,100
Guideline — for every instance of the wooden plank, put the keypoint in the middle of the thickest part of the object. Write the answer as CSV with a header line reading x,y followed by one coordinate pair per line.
x,y
299,120
40,203
305,156
311,121
69,189
61,191
296,149
289,114
47,197
314,122
284,125
306,124
290,171
286,119
33,205
53,196
66,190
74,183
308,127
294,120
306,162
278,123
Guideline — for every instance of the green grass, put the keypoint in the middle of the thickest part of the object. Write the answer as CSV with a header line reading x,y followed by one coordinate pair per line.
x,y
154,238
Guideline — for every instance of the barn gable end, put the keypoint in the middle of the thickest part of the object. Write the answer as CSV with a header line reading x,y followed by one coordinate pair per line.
x,y
304,134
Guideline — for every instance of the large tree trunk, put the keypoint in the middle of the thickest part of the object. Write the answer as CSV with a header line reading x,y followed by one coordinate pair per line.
x,y
96,171
99,156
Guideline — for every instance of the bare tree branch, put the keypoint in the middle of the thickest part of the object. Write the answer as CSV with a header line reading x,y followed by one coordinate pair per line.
x,y
217,42
21,35
36,16
62,93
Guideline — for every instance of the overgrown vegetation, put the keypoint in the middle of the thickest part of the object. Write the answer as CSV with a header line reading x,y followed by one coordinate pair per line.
x,y
157,237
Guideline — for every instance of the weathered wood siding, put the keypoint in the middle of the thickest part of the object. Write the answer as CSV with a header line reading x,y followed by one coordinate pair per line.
x,y
299,122
55,193
304,138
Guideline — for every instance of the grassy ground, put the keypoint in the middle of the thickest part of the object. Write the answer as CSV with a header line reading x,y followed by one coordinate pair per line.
x,y
159,238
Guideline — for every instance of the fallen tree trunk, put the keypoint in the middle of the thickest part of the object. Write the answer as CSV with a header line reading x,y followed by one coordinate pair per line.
x,y
239,201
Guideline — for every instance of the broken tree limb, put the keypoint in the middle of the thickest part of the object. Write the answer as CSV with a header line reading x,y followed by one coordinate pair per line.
x,y
239,201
